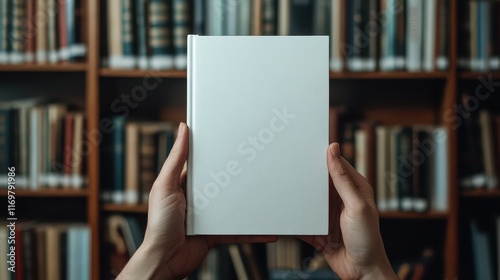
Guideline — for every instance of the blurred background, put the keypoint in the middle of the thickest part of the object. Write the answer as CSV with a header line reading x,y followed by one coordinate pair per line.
x,y
91,93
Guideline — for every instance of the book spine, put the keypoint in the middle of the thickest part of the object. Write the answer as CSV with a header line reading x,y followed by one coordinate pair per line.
x,y
356,36
430,35
67,149
30,35
405,169
382,187
400,43
127,38
4,144
422,173
181,30
78,48
78,179
336,45
160,39
413,35
118,194
142,36
244,15
473,35
16,32
199,18
269,17
70,26
147,172
4,20
440,191
51,32
442,60
189,120
283,17
115,50
387,60
256,17
41,36
63,32
132,164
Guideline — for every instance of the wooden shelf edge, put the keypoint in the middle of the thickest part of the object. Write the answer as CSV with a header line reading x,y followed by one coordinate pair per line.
x,y
129,208
481,193
389,75
413,215
69,67
471,75
64,192
135,73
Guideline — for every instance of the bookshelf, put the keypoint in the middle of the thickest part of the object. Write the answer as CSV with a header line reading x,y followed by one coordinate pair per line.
x,y
98,89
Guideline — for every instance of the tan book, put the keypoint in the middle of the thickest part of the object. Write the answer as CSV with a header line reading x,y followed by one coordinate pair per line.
x,y
52,45
284,17
115,51
488,150
52,239
383,166
392,175
132,131
257,17
41,32
78,179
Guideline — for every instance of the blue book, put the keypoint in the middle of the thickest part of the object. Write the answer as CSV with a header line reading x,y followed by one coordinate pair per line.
x,y
128,59
199,10
142,39
160,37
70,23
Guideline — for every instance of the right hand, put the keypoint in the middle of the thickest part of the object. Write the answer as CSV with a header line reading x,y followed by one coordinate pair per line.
x,y
353,247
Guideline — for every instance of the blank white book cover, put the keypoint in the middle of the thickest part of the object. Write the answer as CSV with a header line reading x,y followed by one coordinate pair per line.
x,y
258,119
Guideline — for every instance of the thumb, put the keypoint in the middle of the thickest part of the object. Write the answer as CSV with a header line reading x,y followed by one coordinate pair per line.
x,y
172,167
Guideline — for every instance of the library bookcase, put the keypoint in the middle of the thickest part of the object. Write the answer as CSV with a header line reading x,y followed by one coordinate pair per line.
x,y
392,97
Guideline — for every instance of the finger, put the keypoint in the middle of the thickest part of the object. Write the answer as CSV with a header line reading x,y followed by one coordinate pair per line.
x,y
359,181
341,177
182,180
171,170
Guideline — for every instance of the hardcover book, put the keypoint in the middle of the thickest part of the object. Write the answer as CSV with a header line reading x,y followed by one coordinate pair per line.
x,y
258,119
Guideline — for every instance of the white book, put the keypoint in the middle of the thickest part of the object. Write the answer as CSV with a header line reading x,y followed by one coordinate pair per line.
x,y
258,118
414,35
429,34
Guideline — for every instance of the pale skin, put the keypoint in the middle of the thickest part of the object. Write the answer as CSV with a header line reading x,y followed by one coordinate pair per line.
x,y
353,248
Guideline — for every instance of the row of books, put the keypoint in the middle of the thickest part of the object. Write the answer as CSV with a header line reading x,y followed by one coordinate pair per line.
x,y
44,142
407,165
148,34
404,33
122,236
479,145
485,237
45,251
132,156
478,36
41,31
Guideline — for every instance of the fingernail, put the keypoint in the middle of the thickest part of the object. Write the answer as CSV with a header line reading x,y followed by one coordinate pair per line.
x,y
180,129
335,150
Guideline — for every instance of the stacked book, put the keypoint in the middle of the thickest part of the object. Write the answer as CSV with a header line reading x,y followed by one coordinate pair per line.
x,y
45,251
479,29
407,165
479,146
41,31
45,144
132,156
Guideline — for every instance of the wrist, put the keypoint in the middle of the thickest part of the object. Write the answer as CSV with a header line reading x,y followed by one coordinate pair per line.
x,y
383,270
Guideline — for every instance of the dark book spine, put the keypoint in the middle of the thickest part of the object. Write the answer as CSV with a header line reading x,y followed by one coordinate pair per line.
x,y
147,172
181,21
405,169
400,40
63,253
422,166
142,37
199,12
6,141
301,17
15,36
347,146
4,21
119,156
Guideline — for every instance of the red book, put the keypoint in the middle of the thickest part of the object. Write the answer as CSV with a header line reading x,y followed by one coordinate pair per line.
x,y
30,35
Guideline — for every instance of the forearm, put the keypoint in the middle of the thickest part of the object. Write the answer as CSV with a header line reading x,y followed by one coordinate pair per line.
x,y
146,263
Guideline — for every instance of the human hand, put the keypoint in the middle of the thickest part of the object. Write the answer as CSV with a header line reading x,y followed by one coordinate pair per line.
x,y
166,252
353,248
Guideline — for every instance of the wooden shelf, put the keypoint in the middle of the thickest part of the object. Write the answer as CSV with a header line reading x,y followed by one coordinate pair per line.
x,y
413,215
135,73
69,67
48,193
388,75
128,208
467,75
481,193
